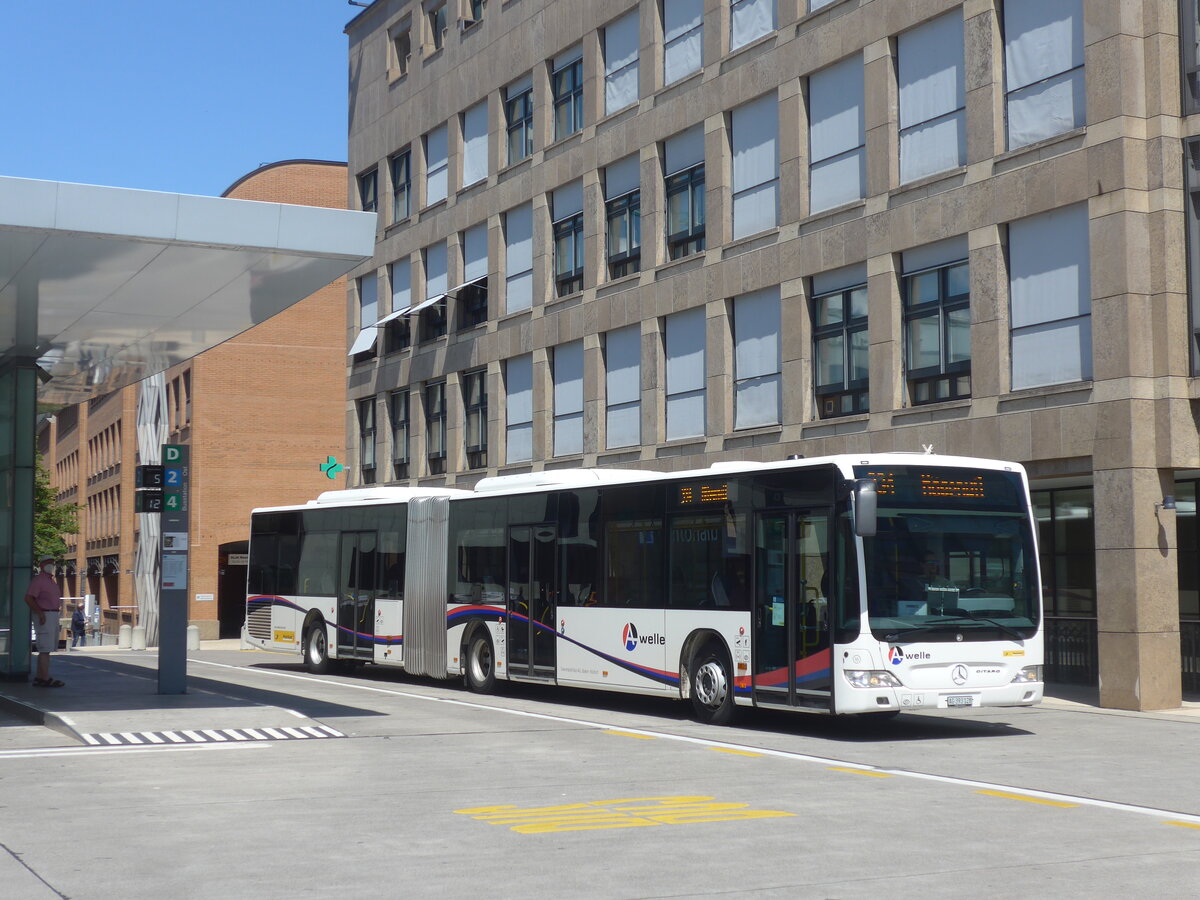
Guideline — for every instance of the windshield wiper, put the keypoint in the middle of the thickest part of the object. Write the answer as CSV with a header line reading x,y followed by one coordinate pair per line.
x,y
944,621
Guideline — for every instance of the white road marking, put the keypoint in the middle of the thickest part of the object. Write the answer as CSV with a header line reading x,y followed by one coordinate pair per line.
x,y
729,745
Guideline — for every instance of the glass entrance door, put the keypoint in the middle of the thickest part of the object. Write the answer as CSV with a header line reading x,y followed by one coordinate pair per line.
x,y
791,621
532,590
356,595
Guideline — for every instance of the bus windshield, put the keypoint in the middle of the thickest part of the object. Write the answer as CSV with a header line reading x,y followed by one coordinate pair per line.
x,y
953,555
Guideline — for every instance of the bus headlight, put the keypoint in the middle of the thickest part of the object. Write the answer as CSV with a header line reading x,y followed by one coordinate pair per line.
x,y
1028,675
871,678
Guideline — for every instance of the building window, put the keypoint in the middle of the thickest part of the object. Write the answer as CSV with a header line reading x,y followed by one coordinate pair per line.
x,y
518,383
435,427
475,144
432,312
1051,298
474,387
566,207
401,165
401,49
366,440
568,399
566,84
623,387
933,127
472,297
518,258
436,17
363,347
756,359
436,166
683,157
840,348
623,212
837,139
368,190
1189,51
1192,207
518,116
749,20
397,329
754,137
398,402
621,63
1067,547
683,38
1043,69
685,343
472,13
937,323
814,5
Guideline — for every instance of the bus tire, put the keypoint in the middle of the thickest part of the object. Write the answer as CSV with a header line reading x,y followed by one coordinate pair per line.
x,y
480,674
711,686
316,648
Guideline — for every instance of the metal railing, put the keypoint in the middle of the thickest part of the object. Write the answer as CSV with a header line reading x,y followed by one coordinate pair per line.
x,y
1071,652
1189,653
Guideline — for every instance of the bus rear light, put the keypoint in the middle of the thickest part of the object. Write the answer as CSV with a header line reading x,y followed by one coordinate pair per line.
x,y
871,678
1028,675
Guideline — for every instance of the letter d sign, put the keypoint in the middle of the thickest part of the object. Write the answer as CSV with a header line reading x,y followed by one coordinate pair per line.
x,y
170,453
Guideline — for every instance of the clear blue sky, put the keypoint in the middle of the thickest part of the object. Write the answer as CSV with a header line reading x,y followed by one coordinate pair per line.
x,y
184,96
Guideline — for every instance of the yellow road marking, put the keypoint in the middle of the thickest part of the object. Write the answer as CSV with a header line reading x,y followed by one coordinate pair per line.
x,y
735,752
636,812
1028,799
860,772
1183,824
643,737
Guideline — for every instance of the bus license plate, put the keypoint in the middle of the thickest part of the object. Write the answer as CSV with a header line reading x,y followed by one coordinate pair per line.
x,y
966,700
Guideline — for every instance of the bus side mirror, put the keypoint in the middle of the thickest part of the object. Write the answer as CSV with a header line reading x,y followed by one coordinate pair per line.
x,y
864,507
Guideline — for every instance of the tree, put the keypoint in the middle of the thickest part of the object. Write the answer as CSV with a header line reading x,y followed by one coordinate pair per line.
x,y
51,519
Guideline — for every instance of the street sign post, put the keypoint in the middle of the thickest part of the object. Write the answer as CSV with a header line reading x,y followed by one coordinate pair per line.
x,y
173,596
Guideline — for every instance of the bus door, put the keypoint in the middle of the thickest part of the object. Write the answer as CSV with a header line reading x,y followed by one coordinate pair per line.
x,y
791,610
531,592
356,595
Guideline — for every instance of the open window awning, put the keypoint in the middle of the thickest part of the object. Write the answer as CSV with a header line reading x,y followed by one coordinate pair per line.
x,y
104,286
425,304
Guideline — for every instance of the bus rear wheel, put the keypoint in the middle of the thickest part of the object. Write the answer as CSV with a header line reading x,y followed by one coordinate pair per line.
x,y
481,663
316,649
712,687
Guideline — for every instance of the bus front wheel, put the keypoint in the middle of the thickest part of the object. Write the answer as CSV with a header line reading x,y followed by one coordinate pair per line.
x,y
481,663
316,649
712,687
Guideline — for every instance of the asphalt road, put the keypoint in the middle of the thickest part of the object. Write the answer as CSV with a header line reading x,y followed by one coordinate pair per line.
x,y
434,792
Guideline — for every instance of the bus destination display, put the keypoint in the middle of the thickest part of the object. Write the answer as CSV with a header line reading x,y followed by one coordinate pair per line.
x,y
926,484
702,494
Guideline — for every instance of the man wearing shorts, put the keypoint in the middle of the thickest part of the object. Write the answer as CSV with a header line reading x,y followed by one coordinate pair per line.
x,y
45,605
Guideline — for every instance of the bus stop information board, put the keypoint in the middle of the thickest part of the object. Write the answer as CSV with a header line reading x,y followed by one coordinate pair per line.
x,y
173,593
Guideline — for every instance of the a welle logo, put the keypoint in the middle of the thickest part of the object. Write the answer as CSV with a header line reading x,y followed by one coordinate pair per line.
x,y
630,637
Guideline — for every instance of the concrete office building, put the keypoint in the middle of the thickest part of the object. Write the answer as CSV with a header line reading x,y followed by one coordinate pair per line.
x,y
260,413
664,233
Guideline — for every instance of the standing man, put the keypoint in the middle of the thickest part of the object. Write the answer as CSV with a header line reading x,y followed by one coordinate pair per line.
x,y
45,604
78,626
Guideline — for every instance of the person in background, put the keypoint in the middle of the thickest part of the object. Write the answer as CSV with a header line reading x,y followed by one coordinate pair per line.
x,y
78,627
44,600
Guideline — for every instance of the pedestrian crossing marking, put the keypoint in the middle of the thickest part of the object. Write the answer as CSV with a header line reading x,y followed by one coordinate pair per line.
x,y
210,736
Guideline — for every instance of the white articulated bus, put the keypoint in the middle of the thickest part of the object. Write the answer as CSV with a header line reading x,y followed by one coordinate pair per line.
x,y
870,583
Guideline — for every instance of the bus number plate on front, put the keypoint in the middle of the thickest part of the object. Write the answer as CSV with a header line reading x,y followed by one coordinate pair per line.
x,y
961,700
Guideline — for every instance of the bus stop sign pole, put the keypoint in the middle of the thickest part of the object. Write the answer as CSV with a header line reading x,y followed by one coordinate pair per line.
x,y
173,605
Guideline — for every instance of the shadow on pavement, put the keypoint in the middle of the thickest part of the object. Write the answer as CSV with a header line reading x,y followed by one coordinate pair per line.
x,y
97,684
851,729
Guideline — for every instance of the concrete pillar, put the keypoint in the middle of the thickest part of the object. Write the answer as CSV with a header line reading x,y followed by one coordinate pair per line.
x,y
1137,590
193,637
137,637
125,637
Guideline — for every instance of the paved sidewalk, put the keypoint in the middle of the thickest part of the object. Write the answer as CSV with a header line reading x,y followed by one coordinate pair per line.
x,y
112,693
112,700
